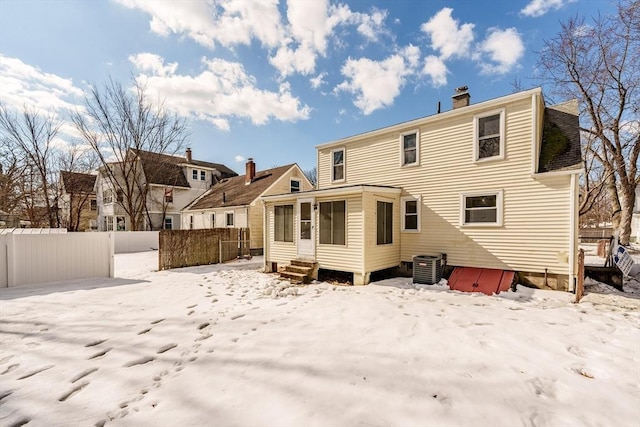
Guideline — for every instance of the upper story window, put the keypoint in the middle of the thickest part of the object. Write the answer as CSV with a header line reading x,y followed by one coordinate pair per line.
x,y
203,175
120,196
194,174
168,195
410,214
229,219
295,185
94,204
337,165
213,220
489,136
107,198
410,149
482,209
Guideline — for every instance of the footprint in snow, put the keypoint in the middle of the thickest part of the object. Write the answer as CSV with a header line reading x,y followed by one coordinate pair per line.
x,y
94,343
139,361
166,348
99,354
4,394
10,368
155,322
83,374
73,391
37,371
144,331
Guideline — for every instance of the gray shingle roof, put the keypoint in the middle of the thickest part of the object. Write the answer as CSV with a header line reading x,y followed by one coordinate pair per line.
x,y
560,149
234,191
75,182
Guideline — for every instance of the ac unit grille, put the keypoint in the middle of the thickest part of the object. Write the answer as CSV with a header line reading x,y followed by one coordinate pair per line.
x,y
427,269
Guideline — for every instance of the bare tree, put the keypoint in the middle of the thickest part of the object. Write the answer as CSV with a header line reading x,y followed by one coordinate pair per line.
x,y
10,173
30,135
599,64
118,122
312,175
77,197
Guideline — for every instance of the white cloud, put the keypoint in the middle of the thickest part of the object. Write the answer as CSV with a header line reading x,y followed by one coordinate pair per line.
x,y
537,8
447,36
377,83
153,63
318,80
227,22
435,68
221,91
500,51
238,158
25,85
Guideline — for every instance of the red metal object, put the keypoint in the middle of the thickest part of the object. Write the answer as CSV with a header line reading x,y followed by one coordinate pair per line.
x,y
486,280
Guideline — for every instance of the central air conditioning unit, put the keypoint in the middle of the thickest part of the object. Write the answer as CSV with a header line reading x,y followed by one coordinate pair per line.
x,y
427,270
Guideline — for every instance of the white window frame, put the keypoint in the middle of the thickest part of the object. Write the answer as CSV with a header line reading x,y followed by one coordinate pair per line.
x,y
346,225
344,165
164,223
291,227
226,219
108,223
499,208
107,196
403,208
116,223
194,174
203,175
291,186
476,135
386,226
402,152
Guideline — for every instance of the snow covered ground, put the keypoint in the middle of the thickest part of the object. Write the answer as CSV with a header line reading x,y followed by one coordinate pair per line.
x,y
227,345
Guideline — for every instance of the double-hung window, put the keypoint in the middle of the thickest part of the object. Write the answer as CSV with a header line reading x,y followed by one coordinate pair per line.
x,y
107,197
410,214
337,165
229,219
168,223
283,223
194,174
482,209
332,222
410,148
489,136
384,222
203,175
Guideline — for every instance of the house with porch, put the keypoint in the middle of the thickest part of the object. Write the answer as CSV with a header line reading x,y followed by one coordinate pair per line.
x,y
492,185
235,201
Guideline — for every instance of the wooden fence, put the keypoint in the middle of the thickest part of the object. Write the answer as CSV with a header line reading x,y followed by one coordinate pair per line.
x,y
590,235
185,248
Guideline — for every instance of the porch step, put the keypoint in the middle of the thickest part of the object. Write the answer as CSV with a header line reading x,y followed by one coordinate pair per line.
x,y
299,271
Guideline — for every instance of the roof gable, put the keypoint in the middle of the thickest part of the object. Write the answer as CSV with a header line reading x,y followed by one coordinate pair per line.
x,y
75,182
235,192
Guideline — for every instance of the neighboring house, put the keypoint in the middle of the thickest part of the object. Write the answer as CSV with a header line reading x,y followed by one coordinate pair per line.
x,y
77,202
8,220
491,185
235,202
171,182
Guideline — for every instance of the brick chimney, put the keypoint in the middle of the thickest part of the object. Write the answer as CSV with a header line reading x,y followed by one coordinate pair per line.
x,y
188,155
251,171
461,98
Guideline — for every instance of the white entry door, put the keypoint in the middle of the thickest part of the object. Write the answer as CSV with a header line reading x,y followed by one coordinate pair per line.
x,y
306,229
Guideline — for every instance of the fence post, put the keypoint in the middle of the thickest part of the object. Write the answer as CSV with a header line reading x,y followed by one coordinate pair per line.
x,y
580,287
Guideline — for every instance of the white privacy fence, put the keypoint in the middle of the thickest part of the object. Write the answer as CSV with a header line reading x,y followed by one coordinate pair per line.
x,y
39,258
135,241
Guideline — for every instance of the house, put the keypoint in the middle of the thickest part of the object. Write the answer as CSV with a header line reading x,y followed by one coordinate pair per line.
x,y
165,184
235,202
77,202
491,185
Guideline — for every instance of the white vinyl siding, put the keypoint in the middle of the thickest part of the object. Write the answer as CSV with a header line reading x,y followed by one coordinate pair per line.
x,y
536,219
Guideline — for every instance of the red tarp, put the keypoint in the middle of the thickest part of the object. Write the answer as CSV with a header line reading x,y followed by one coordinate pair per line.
x,y
486,280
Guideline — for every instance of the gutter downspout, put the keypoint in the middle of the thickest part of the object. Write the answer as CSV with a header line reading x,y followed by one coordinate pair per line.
x,y
573,233
265,237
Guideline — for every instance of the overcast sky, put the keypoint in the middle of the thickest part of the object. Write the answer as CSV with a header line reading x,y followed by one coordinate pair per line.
x,y
271,79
